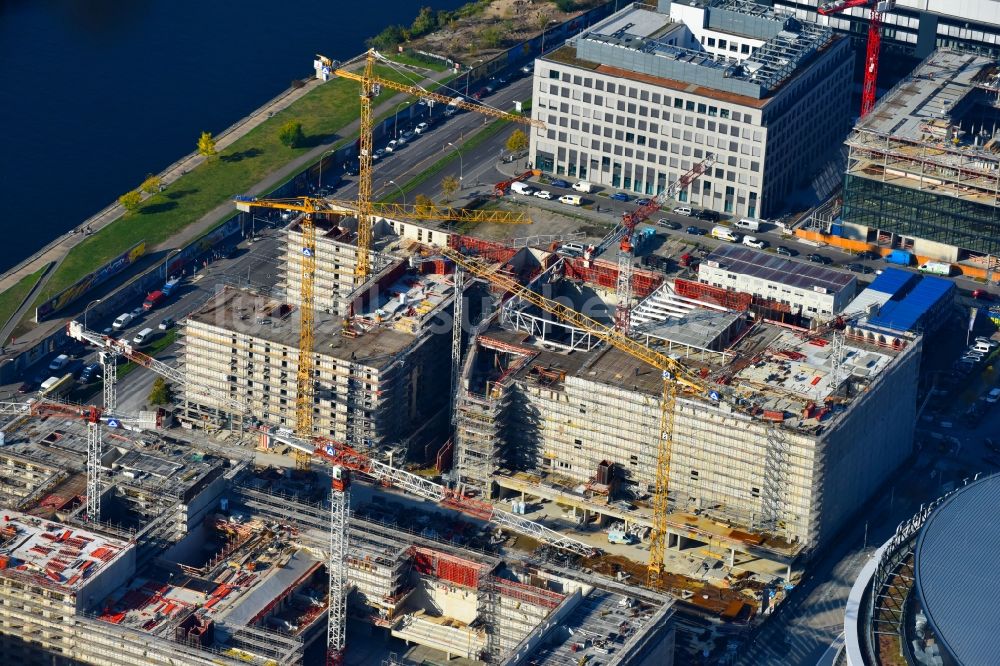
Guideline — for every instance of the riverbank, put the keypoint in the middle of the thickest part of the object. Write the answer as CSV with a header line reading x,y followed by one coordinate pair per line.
x,y
198,198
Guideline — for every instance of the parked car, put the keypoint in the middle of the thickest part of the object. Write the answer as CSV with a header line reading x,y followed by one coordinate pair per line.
x,y
642,202
785,251
90,373
982,295
696,231
709,215
819,258
167,322
543,194
406,135
620,196
27,387
754,242
987,341
392,145
867,255
683,210
421,128
860,268
351,169
137,312
559,182
58,363
669,224
379,152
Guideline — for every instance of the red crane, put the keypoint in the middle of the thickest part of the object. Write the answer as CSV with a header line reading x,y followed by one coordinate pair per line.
x,y
878,8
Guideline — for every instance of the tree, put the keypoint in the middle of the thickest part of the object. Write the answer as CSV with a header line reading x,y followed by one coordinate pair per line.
x,y
387,39
130,200
160,395
291,134
517,141
206,145
423,203
152,184
425,22
450,185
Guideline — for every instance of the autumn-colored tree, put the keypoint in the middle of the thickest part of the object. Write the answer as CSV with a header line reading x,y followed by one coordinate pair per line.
x,y
152,184
206,145
423,203
291,134
160,395
130,200
517,141
450,185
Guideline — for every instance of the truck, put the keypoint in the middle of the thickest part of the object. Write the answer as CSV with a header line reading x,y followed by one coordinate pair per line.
x,y
936,268
901,257
153,299
170,287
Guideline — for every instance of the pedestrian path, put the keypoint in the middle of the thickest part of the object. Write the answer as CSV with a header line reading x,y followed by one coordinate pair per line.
x,y
57,250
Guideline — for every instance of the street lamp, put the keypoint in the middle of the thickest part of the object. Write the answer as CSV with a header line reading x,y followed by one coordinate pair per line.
x,y
401,192
319,182
461,165
167,259
89,305
395,120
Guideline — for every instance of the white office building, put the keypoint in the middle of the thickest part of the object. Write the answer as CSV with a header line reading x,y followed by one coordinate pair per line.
x,y
639,98
810,289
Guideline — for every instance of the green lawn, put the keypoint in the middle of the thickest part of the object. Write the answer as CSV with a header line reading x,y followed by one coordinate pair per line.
x,y
415,59
322,112
11,299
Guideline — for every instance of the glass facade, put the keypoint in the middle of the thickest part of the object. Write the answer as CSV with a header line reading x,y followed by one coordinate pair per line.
x,y
921,214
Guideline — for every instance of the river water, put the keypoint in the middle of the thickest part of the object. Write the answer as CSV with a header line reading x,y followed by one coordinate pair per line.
x,y
98,93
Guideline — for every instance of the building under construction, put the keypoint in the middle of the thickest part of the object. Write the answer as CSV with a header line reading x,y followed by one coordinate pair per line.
x,y
239,574
796,444
377,379
924,165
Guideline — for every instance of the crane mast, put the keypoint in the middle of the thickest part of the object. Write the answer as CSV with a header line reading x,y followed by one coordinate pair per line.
x,y
873,50
336,628
676,377
626,249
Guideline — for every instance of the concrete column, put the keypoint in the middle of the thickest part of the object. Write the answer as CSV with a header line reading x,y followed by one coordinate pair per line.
x,y
732,557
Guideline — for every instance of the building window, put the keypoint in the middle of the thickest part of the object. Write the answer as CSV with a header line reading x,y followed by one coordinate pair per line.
x,y
711,41
553,74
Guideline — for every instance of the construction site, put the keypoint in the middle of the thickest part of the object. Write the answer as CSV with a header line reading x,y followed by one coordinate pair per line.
x,y
923,165
778,446
203,558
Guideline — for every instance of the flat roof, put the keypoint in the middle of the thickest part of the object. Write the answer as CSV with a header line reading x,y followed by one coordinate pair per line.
x,y
798,274
386,325
908,313
55,553
931,95
954,570
698,328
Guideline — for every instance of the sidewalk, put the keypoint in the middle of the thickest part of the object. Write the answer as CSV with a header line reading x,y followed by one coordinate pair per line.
x,y
57,250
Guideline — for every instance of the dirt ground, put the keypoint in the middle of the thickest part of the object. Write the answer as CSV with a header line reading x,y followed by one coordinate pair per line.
x,y
513,20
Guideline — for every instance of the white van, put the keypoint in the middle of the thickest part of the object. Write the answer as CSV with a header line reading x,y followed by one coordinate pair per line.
x,y
573,247
583,186
725,233
748,224
58,363
522,188
571,199
123,320
683,210
143,336
49,383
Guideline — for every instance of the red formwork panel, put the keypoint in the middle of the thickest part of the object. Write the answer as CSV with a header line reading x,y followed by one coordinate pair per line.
x,y
447,567
605,274
489,250
706,293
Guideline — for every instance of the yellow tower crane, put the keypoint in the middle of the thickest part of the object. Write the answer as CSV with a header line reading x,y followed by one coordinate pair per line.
x,y
304,384
369,85
676,378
